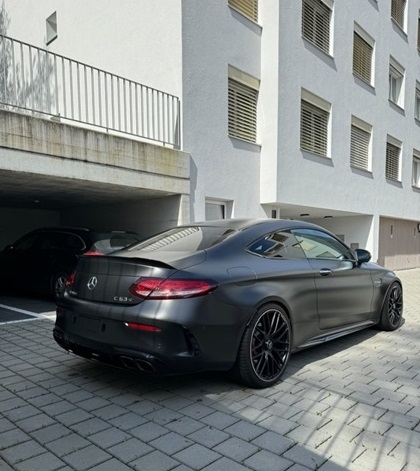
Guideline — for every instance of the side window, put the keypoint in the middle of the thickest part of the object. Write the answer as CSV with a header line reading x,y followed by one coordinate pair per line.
x,y
27,243
277,245
62,241
318,244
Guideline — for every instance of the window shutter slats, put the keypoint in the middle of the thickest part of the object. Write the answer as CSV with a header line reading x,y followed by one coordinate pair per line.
x,y
359,148
392,169
249,8
242,111
316,17
398,11
362,58
313,129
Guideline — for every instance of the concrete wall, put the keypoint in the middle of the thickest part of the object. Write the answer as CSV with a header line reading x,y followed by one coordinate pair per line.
x,y
15,222
73,152
146,217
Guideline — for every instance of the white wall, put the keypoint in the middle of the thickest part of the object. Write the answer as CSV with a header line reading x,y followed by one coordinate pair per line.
x,y
355,229
303,178
215,36
137,39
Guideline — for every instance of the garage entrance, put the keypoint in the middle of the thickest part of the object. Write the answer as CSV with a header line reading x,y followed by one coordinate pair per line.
x,y
399,243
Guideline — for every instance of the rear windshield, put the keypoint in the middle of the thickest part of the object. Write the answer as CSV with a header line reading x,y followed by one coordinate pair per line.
x,y
185,239
107,242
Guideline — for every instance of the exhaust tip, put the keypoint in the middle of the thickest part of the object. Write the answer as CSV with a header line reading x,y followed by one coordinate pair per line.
x,y
145,366
128,363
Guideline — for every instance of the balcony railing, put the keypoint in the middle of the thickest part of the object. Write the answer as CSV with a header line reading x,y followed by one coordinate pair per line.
x,y
40,81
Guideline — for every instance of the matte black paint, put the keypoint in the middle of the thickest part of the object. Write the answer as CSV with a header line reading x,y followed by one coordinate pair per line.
x,y
324,298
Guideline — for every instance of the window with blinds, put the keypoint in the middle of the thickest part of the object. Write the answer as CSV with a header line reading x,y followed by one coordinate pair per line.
x,y
362,58
416,171
417,103
418,33
249,8
392,166
398,12
359,148
314,129
316,19
242,111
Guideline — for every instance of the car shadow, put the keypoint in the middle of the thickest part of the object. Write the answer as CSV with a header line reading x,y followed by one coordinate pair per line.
x,y
220,382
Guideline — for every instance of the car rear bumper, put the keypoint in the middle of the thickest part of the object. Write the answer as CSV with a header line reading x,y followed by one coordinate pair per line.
x,y
201,336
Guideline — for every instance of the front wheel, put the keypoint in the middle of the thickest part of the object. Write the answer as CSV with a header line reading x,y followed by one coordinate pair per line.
x,y
265,347
391,315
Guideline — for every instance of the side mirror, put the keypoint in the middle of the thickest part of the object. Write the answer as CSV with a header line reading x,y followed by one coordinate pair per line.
x,y
363,256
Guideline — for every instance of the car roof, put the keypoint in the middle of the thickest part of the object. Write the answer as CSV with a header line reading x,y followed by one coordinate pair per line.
x,y
246,223
80,230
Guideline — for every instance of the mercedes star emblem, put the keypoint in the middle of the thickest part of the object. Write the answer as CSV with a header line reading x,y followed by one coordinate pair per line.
x,y
91,284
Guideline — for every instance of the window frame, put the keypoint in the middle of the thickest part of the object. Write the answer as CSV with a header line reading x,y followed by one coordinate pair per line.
x,y
397,77
333,243
315,111
417,102
415,180
243,92
418,33
399,13
365,130
366,52
312,28
270,252
247,8
393,169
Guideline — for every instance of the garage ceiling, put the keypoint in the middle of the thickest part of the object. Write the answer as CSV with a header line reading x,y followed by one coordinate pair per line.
x,y
30,191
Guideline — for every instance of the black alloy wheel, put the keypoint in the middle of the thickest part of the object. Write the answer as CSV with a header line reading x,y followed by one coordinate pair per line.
x,y
265,348
59,285
391,316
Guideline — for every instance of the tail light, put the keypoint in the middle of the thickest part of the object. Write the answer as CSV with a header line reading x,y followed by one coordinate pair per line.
x,y
161,288
94,253
70,280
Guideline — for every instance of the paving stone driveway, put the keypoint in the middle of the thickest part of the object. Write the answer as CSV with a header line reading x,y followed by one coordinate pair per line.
x,y
352,404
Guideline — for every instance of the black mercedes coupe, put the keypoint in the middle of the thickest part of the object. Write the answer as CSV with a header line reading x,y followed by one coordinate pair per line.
x,y
234,294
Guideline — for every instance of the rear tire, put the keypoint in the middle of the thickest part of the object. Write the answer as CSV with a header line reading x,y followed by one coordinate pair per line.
x,y
59,285
265,348
391,315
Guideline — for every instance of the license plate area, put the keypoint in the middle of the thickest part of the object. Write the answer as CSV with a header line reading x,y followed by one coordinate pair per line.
x,y
88,324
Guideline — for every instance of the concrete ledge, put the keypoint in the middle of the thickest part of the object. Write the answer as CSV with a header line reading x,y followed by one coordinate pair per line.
x,y
42,136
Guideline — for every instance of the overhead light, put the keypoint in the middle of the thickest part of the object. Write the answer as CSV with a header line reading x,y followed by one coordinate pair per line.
x,y
36,201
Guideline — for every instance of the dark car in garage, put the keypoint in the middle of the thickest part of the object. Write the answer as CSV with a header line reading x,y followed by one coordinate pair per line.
x,y
41,261
237,295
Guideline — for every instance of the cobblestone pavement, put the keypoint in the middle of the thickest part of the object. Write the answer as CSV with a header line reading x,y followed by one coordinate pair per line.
x,y
352,404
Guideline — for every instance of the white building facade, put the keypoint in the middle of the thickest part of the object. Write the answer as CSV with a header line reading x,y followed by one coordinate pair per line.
x,y
303,109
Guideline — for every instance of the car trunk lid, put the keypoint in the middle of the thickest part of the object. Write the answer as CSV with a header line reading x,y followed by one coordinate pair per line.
x,y
107,279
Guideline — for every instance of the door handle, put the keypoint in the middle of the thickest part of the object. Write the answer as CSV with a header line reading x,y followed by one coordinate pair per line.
x,y
325,272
